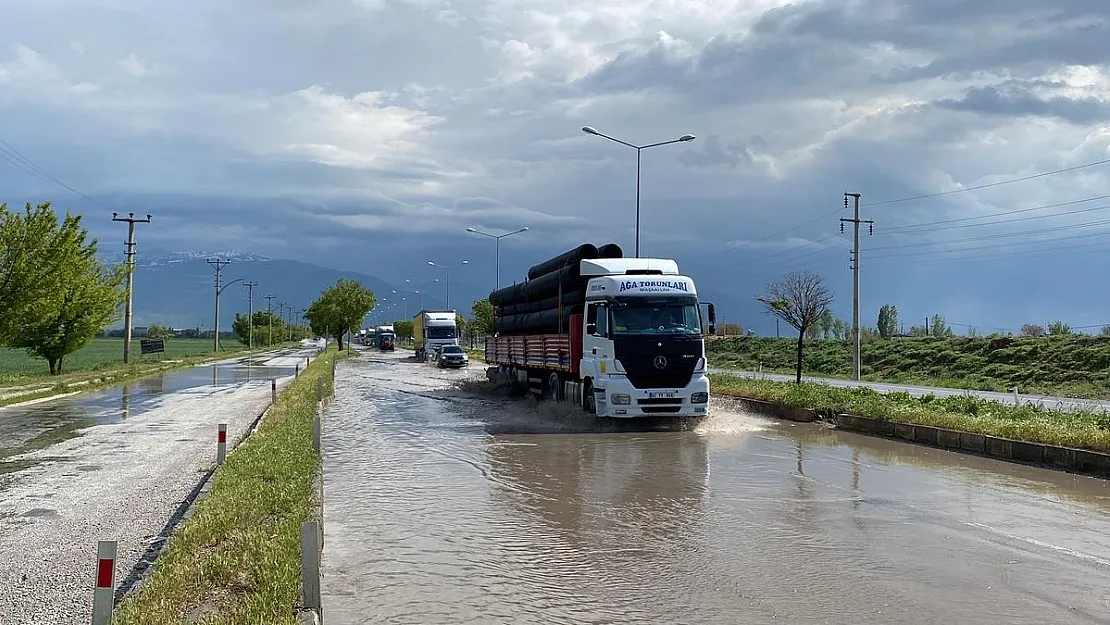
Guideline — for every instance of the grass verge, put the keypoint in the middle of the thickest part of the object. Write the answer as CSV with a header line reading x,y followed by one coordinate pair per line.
x,y
1067,365
39,387
1082,430
237,558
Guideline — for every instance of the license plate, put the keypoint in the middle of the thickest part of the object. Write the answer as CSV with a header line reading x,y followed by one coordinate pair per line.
x,y
660,395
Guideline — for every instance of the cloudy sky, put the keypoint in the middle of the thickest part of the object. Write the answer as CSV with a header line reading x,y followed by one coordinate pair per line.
x,y
368,134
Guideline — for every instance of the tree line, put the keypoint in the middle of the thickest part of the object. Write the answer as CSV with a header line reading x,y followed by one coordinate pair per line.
x,y
55,293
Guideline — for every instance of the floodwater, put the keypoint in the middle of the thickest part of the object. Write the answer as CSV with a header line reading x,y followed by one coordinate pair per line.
x,y
39,425
446,506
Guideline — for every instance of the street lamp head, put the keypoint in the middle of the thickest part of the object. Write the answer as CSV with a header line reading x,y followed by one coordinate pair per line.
x,y
590,130
687,138
471,230
431,263
465,262
115,214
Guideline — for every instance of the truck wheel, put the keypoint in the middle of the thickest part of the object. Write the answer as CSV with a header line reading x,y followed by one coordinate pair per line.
x,y
589,401
554,387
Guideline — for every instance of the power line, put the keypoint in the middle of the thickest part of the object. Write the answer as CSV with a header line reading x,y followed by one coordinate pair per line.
x,y
1002,245
1048,252
991,236
20,161
992,184
945,193
933,224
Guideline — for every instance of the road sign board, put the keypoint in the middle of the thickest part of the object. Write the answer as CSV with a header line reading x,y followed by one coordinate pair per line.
x,y
152,346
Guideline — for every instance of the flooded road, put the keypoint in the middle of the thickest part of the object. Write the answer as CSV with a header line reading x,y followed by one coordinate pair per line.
x,y
112,465
442,506
33,426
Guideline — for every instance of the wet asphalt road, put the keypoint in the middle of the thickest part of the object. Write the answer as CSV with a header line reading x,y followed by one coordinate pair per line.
x,y
1068,404
444,506
112,465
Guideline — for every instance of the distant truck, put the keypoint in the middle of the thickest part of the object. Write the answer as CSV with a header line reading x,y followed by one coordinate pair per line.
x,y
378,331
432,329
618,337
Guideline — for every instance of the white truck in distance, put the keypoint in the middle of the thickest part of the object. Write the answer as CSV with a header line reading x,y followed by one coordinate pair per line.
x,y
432,329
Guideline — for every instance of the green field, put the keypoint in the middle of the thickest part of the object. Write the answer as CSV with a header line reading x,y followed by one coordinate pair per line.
x,y
1069,365
17,366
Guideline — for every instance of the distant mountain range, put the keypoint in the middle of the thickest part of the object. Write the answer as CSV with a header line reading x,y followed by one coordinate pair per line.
x,y
177,288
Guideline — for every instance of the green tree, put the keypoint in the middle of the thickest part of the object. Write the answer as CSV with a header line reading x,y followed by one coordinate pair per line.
x,y
1059,328
403,329
888,321
340,308
157,331
482,321
82,295
939,328
799,299
269,328
34,249
826,322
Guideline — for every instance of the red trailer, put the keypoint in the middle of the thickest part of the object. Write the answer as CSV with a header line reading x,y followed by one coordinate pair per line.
x,y
560,354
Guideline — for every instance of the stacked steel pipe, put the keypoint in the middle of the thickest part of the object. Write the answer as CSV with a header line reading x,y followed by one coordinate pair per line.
x,y
555,289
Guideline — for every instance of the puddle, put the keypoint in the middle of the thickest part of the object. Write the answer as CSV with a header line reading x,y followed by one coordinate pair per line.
x,y
41,513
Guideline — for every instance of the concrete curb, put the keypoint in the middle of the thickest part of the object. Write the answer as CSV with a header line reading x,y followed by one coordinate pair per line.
x,y
1078,461
309,607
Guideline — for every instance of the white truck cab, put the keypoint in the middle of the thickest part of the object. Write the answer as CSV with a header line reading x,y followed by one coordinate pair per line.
x,y
643,347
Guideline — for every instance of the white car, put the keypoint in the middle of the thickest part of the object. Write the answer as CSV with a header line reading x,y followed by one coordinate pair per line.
x,y
452,356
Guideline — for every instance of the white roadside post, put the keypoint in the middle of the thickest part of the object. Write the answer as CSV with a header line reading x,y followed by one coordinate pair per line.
x,y
104,593
221,443
273,391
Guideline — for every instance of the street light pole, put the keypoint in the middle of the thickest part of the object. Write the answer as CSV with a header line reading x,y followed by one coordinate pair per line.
x,y
497,250
250,313
447,285
590,130
131,221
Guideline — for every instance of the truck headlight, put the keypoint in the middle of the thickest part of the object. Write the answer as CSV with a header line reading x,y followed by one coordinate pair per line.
x,y
699,398
620,399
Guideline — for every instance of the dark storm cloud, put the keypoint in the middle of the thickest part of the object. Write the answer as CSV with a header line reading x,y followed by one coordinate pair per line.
x,y
1013,101
811,49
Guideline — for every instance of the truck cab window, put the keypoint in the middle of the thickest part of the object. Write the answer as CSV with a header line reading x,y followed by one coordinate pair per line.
x,y
597,320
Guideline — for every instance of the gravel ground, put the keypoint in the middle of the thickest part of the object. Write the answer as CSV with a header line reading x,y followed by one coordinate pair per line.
x,y
120,481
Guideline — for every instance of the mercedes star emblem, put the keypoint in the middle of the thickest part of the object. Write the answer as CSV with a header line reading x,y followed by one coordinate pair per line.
x,y
660,362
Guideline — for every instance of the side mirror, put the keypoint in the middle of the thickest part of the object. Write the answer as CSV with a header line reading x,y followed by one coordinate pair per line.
x,y
712,319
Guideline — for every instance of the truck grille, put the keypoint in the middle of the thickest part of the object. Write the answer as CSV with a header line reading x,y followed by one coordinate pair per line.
x,y
640,360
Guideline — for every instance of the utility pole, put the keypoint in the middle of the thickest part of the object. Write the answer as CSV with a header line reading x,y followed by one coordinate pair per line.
x,y
269,319
219,265
856,221
131,221
250,313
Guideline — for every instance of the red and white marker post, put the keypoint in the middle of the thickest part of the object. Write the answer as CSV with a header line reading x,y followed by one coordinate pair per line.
x,y
105,591
221,443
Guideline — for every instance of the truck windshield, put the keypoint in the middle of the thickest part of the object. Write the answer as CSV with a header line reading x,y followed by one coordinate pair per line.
x,y
656,316
441,333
